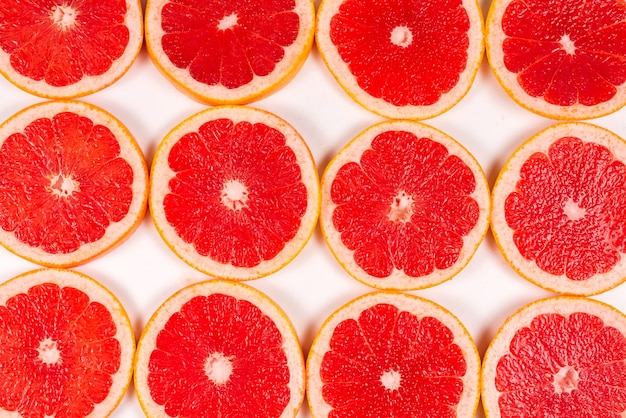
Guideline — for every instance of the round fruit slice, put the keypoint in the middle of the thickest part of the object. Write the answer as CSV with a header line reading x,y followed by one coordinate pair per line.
x,y
399,60
74,183
234,192
557,357
66,346
216,349
559,208
225,52
392,355
404,206
562,59
66,49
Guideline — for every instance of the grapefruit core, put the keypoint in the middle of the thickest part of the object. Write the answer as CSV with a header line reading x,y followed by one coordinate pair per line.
x,y
219,348
560,59
65,49
224,52
559,209
234,192
557,357
404,206
390,354
401,61
66,346
74,183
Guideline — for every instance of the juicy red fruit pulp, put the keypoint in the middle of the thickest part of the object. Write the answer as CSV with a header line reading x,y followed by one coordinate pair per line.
x,y
60,42
228,43
568,53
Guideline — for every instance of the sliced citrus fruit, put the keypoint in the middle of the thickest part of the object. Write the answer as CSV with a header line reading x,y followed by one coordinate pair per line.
x,y
219,348
74,183
404,206
66,346
562,59
65,49
225,52
557,357
401,60
559,208
389,354
234,192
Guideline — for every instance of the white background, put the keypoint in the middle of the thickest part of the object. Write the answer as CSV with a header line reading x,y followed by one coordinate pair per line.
x,y
143,272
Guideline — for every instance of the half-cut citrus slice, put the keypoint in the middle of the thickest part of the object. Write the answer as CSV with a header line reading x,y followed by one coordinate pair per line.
x,y
66,346
392,355
66,49
234,192
404,206
225,52
401,60
74,183
559,209
562,59
217,349
557,357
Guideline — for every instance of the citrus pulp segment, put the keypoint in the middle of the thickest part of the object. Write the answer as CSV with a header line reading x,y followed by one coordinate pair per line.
x,y
66,346
559,208
564,59
219,348
65,49
74,183
404,206
234,192
402,60
224,52
389,354
557,357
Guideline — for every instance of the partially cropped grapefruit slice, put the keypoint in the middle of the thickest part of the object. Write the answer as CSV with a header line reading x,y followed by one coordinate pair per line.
x,y
216,349
404,206
234,192
74,183
229,52
557,357
561,59
390,354
66,346
401,60
65,49
559,208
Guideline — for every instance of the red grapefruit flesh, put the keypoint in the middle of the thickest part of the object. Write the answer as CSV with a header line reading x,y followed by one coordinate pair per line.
x,y
392,355
65,49
66,346
404,206
74,183
559,206
402,60
225,52
557,357
217,349
564,59
234,192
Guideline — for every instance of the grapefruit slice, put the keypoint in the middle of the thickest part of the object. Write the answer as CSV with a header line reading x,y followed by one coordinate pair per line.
x,y
234,192
74,183
559,207
66,49
219,348
562,59
390,354
66,346
557,357
404,206
401,60
224,52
